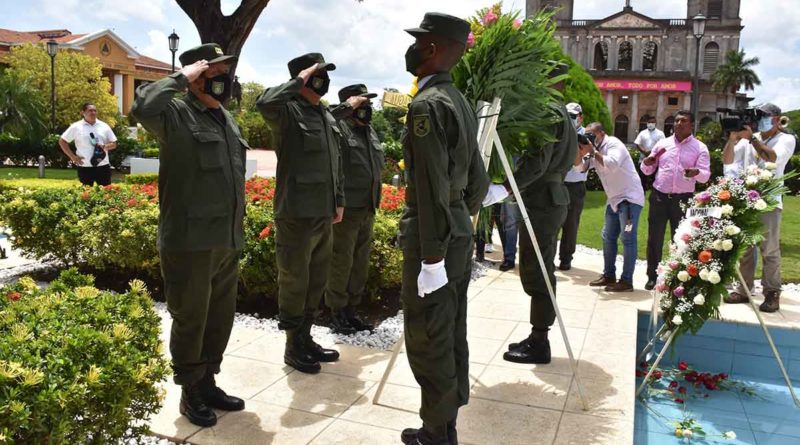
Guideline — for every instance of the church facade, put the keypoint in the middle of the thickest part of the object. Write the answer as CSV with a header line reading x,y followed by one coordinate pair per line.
x,y
645,66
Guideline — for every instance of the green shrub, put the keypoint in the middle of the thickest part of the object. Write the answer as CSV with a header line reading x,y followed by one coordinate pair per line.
x,y
152,152
77,365
126,146
392,149
141,178
254,129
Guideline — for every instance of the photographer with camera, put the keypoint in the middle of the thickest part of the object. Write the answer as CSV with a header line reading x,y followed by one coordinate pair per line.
x,y
613,163
576,185
743,149
93,140
678,163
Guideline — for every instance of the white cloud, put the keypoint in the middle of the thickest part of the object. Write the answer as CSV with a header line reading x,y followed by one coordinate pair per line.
x,y
96,14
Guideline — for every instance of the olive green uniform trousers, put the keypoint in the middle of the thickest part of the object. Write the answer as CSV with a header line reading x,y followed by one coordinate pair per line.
x,y
201,288
352,242
303,254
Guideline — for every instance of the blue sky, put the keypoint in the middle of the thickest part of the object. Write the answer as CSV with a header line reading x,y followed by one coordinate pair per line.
x,y
367,42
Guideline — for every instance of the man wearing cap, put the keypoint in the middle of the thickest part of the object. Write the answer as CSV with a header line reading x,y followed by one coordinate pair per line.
x,y
309,198
447,182
744,149
576,186
362,162
540,177
200,234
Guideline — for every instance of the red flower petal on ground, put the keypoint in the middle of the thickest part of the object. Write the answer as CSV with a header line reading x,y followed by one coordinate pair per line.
x,y
657,375
673,384
677,400
683,366
682,390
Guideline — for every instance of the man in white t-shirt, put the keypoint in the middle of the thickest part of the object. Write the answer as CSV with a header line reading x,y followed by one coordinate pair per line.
x,y
744,148
93,140
648,137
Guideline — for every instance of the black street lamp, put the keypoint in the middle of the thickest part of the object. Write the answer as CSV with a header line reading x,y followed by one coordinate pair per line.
x,y
52,50
699,30
173,46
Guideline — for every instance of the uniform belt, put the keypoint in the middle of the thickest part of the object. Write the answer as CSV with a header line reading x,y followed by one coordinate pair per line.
x,y
411,196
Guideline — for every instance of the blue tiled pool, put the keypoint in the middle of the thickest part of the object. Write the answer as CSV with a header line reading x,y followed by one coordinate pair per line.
x,y
740,350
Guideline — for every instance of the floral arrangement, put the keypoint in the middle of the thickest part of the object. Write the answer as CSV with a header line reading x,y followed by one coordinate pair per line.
x,y
724,222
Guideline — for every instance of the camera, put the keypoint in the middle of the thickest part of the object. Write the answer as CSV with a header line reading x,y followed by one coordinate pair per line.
x,y
587,138
736,120
99,153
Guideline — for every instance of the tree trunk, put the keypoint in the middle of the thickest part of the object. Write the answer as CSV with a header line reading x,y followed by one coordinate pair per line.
x,y
230,32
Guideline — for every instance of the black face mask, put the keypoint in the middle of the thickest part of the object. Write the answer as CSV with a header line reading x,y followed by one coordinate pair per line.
x,y
319,84
218,87
363,113
413,59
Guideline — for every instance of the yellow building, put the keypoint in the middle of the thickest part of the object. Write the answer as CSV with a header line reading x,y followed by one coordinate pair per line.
x,y
125,68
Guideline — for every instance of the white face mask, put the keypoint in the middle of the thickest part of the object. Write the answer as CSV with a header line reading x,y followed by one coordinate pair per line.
x,y
765,124
651,127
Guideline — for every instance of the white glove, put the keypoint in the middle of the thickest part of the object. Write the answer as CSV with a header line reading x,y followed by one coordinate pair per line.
x,y
431,278
495,194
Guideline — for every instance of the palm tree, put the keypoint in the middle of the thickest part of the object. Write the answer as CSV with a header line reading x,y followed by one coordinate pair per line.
x,y
737,71
22,112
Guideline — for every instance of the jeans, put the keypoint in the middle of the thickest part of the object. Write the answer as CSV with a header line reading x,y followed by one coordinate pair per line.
x,y
614,226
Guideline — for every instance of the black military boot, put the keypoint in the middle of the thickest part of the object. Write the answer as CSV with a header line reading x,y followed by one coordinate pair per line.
x,y
216,398
313,349
296,355
771,302
194,407
535,350
421,436
340,323
357,323
452,434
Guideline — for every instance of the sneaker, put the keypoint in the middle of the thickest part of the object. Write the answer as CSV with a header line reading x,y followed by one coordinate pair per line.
x,y
771,302
603,281
620,286
735,298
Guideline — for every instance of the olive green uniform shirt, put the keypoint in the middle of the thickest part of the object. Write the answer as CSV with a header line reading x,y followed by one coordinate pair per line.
x,y
310,181
362,161
201,171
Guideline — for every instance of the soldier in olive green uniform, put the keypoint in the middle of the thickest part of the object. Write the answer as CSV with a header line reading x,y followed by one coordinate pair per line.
x,y
309,198
362,161
446,183
200,234
540,178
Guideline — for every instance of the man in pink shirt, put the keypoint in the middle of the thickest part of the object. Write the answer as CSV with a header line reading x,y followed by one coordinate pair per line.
x,y
679,162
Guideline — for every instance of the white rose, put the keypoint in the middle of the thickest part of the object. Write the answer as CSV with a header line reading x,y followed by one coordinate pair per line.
x,y
732,230
699,299
713,277
751,169
751,180
704,274
766,175
683,276
677,320
770,166
760,204
717,245
727,210
727,245
730,435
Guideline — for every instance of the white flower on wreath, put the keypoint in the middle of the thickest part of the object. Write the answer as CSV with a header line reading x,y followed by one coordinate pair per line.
x,y
684,276
729,435
717,245
732,230
751,180
770,165
752,169
727,210
760,204
727,245
704,274
677,320
765,175
713,277
699,300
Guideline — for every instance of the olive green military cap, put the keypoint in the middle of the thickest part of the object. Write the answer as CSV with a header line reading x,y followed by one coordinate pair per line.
x,y
306,60
358,89
210,52
444,25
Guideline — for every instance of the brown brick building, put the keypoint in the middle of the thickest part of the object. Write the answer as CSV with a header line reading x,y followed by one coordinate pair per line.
x,y
125,68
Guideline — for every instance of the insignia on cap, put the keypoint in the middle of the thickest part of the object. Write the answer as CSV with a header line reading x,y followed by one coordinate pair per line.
x,y
218,51
422,125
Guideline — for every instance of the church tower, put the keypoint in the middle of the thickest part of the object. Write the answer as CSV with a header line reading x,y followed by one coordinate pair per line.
x,y
566,8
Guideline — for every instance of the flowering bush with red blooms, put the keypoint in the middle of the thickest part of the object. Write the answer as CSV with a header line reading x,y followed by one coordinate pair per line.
x,y
393,198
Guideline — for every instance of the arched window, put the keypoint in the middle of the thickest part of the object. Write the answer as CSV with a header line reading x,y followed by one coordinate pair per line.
x,y
601,56
621,127
643,122
715,9
711,58
649,56
669,126
625,60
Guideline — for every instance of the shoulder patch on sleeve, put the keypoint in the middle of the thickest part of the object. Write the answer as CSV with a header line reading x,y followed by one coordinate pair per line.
x,y
422,125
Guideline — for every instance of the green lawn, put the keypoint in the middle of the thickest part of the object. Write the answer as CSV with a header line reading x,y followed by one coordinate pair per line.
x,y
53,177
593,217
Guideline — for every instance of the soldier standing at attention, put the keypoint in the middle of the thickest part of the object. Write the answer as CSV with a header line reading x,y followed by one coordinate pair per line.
x,y
309,198
362,162
200,234
540,177
446,183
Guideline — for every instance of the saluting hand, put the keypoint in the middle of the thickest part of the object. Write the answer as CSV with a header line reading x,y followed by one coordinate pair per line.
x,y
306,73
193,71
356,101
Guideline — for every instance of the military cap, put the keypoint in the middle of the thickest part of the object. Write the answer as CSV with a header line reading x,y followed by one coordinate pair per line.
x,y
770,109
210,52
358,89
443,25
306,60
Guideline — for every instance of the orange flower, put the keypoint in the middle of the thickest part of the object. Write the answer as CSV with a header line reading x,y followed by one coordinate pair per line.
x,y
85,195
692,270
705,256
724,195
265,233
14,296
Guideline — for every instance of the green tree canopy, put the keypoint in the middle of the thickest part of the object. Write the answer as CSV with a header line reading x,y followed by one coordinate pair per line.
x,y
22,112
580,88
79,79
737,71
